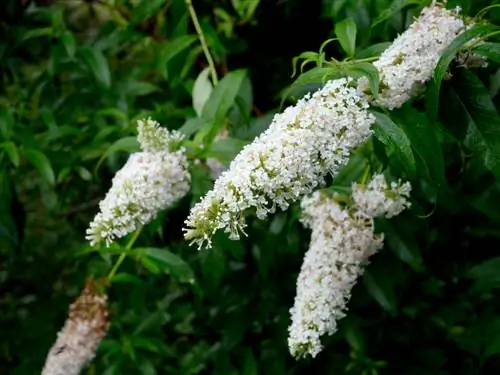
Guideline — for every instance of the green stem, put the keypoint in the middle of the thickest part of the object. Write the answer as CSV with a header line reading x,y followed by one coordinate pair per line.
x,y
123,255
203,42
366,173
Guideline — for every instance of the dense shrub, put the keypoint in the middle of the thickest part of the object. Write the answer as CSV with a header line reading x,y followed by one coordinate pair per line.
x,y
76,77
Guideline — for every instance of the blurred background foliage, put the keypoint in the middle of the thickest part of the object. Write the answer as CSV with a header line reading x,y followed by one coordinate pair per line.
x,y
76,75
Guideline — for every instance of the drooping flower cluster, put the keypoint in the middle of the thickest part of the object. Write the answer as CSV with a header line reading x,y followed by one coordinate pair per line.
x,y
286,162
150,181
82,333
342,240
410,60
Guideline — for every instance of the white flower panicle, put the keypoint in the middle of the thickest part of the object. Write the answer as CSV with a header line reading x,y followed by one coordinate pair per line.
x,y
148,183
82,333
342,240
340,246
378,199
286,162
153,138
409,62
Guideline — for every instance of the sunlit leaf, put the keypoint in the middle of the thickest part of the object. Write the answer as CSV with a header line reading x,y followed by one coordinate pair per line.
x,y
346,33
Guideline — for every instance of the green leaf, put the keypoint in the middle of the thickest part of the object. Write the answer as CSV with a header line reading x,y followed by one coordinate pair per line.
x,y
128,144
84,173
145,10
482,118
486,275
213,262
424,141
36,33
12,152
69,43
401,241
346,32
225,149
173,48
373,51
166,262
201,91
393,8
307,56
380,291
6,121
446,58
126,278
321,75
250,366
221,100
492,345
98,65
489,50
391,135
193,125
138,88
42,164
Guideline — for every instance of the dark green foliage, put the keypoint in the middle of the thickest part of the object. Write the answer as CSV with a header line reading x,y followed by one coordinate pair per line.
x,y
75,77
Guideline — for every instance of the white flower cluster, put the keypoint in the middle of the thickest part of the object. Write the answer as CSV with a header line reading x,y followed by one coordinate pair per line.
x,y
378,199
409,62
150,181
342,240
82,333
286,162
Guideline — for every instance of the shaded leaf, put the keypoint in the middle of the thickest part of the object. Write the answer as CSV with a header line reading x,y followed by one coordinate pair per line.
x,y
393,8
6,121
129,144
42,164
486,275
69,43
225,149
380,291
483,130
98,65
167,262
424,141
396,141
446,58
489,50
11,150
146,10
173,48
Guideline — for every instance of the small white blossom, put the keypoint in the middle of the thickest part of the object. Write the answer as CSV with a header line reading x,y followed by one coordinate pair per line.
x,y
82,333
339,249
150,181
215,168
286,162
409,62
378,199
